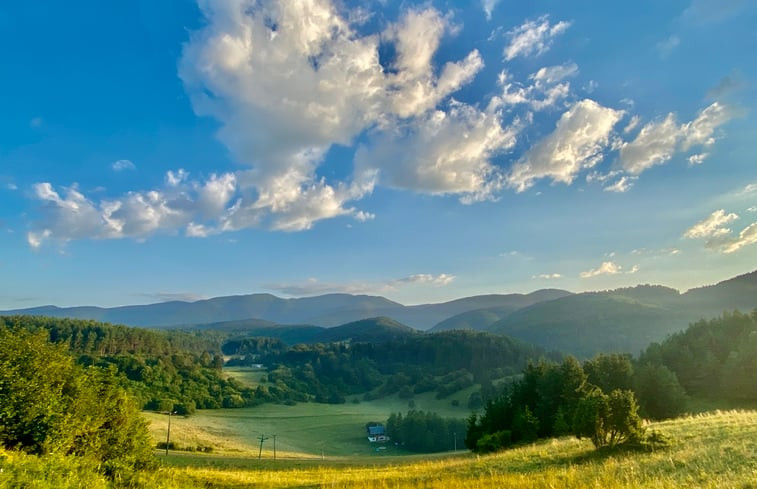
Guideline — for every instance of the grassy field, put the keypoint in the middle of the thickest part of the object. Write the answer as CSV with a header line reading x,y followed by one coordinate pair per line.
x,y
305,430
716,450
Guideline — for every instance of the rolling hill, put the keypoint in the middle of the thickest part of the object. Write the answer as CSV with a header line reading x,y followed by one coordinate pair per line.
x,y
624,320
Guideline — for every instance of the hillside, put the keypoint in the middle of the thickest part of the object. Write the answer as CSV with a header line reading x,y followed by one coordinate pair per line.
x,y
373,330
585,324
480,319
624,320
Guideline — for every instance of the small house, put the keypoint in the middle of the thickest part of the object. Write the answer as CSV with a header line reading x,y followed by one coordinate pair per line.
x,y
376,433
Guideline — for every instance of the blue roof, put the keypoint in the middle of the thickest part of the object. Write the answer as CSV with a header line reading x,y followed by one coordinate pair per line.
x,y
376,430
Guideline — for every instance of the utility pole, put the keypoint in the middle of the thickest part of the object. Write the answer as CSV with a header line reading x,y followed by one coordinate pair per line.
x,y
168,433
455,435
262,438
274,447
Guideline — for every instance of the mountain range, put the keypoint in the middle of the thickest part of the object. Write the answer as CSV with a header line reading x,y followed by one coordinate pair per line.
x,y
624,319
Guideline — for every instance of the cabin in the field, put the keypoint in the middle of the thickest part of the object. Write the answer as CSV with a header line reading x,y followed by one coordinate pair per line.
x,y
376,433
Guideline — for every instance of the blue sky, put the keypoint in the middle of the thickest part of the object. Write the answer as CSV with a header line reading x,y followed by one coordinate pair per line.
x,y
422,151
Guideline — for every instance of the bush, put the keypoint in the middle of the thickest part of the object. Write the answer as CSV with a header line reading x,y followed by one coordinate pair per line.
x,y
494,441
608,420
50,405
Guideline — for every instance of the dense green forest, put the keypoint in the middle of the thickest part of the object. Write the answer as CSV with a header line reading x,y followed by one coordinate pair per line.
x,y
163,370
182,371
425,432
444,363
712,358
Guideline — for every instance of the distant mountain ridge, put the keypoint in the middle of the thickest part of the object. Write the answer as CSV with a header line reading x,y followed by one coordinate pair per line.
x,y
324,310
625,319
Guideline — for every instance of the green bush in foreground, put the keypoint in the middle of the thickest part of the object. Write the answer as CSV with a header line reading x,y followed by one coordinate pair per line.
x,y
51,406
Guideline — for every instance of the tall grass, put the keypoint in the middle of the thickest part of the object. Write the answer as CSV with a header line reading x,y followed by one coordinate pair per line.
x,y
716,450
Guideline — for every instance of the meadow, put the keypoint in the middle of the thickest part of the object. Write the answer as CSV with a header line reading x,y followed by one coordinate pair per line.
x,y
715,450
304,430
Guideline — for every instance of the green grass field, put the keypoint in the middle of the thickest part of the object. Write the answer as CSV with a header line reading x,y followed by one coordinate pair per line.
x,y
305,430
716,450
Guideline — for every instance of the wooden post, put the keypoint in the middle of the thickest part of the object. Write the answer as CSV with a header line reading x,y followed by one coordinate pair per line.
x,y
262,438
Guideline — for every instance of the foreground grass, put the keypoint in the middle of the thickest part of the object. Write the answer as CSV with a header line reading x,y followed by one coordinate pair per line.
x,y
716,450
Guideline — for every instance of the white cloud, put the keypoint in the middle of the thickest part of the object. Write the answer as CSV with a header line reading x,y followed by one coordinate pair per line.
x,y
749,188
577,143
11,186
174,179
544,91
623,184
658,141
719,237
122,165
442,153
489,7
547,276
302,76
698,159
606,268
427,279
534,37
135,214
665,48
712,226
752,209
35,239
632,124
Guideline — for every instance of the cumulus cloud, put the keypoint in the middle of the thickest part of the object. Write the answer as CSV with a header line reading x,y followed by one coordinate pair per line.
x,y
313,286
606,268
305,79
713,229
72,215
712,226
122,165
577,143
658,141
544,89
534,37
444,152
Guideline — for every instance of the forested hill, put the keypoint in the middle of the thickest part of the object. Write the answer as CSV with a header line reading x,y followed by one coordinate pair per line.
x,y
714,358
373,358
621,320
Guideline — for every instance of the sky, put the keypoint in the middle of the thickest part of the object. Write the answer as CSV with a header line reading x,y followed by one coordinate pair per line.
x,y
422,151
